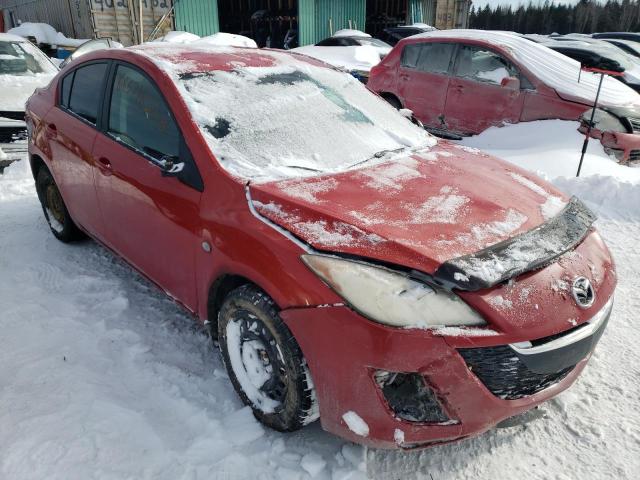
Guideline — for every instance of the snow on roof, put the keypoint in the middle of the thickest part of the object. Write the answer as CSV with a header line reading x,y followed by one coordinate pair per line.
x,y
348,32
7,37
227,39
361,57
217,39
177,36
553,68
45,33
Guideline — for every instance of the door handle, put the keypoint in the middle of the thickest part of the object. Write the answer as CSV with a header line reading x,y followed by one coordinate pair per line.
x,y
104,165
403,76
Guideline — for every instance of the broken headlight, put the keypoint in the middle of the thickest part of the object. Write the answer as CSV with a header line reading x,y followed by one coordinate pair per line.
x,y
603,121
390,297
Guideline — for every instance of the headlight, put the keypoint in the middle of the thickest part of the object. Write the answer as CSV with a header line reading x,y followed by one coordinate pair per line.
x,y
604,121
390,297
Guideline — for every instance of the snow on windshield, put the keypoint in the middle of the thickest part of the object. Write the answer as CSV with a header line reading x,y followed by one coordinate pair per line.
x,y
293,119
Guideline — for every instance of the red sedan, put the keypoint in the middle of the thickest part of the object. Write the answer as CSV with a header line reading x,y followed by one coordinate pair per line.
x,y
404,290
460,82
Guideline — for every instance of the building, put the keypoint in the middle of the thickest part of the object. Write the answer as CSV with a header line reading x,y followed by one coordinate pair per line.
x,y
269,22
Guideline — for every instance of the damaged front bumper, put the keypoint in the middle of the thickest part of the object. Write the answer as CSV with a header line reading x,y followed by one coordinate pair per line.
x,y
416,389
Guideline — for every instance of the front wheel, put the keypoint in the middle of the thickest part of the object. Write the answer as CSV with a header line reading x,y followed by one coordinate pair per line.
x,y
55,211
264,362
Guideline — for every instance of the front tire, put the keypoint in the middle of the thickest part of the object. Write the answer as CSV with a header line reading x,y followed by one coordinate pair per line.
x,y
55,211
264,362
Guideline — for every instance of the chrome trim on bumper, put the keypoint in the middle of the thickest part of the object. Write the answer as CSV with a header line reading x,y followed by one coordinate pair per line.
x,y
585,331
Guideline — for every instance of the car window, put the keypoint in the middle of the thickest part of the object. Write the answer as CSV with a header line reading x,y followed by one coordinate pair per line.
x,y
23,58
435,57
331,42
84,97
410,55
483,65
139,116
65,89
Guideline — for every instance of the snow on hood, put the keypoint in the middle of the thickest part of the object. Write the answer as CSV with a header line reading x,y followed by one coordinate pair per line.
x,y
45,33
15,90
361,57
553,68
419,211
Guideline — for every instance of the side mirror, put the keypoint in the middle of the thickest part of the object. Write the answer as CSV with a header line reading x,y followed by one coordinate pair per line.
x,y
408,114
511,83
170,167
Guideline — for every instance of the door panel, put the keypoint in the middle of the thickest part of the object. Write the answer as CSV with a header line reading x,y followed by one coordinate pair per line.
x,y
476,98
423,80
73,165
71,128
473,107
154,220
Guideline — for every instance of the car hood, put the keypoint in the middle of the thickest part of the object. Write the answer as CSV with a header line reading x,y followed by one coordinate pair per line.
x,y
15,90
417,211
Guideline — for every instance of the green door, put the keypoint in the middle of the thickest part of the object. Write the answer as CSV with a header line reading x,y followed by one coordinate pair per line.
x,y
318,19
197,16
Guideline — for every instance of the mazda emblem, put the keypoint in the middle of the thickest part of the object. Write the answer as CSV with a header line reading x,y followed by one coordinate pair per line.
x,y
583,292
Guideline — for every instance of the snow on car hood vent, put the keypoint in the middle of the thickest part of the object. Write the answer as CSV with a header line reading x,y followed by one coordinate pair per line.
x,y
522,253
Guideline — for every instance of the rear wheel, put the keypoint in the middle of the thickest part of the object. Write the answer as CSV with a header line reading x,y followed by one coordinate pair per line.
x,y
55,211
264,362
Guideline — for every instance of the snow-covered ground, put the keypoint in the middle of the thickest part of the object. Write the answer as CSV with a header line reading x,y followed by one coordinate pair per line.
x,y
101,376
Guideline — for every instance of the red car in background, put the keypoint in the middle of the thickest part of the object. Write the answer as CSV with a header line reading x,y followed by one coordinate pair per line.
x,y
460,82
404,290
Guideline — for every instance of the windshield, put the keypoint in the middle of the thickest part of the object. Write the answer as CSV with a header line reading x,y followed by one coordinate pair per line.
x,y
374,42
23,58
294,120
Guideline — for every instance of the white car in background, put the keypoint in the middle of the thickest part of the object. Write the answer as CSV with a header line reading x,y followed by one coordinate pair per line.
x,y
23,68
351,50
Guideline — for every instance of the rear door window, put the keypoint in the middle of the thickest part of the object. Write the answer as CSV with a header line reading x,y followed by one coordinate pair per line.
x,y
82,88
410,55
436,57
139,116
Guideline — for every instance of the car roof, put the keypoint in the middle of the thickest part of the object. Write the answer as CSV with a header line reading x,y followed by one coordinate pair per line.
x,y
187,58
7,37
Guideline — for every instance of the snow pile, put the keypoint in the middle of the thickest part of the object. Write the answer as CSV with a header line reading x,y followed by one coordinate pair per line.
x,y
45,33
348,32
228,39
553,68
289,111
177,37
217,39
361,58
550,148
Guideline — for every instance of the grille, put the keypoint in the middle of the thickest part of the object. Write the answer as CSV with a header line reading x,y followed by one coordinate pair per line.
x,y
12,115
635,124
634,156
505,375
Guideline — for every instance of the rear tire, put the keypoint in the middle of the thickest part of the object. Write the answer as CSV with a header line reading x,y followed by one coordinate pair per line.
x,y
55,211
264,362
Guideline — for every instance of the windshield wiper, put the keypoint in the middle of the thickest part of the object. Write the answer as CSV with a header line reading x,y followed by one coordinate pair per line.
x,y
376,155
